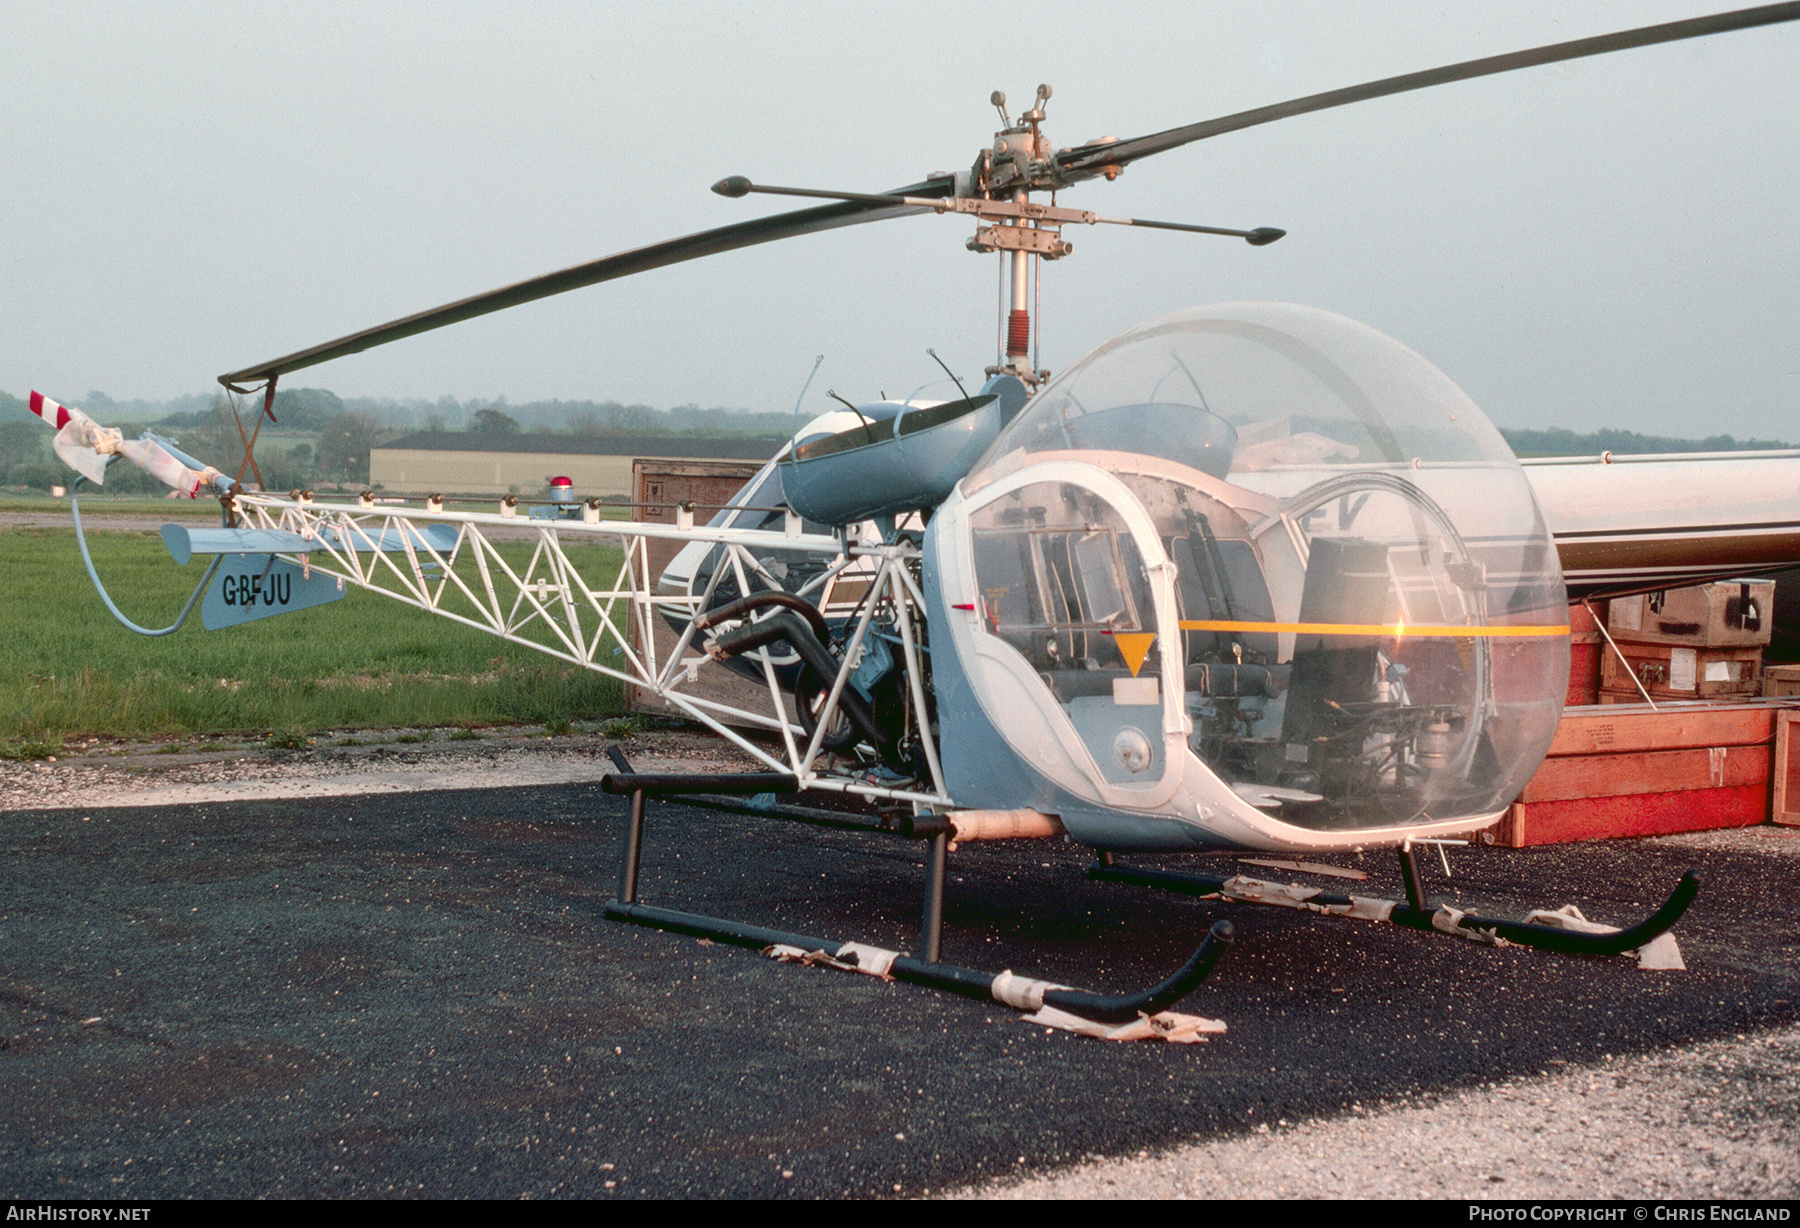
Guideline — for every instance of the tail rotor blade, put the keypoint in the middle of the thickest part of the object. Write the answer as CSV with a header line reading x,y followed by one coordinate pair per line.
x,y
80,441
83,445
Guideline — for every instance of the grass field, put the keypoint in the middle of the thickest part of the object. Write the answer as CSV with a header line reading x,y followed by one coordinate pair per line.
x,y
206,510
67,668
114,505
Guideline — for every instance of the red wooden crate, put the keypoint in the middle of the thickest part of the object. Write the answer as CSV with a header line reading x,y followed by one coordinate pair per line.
x,y
1635,771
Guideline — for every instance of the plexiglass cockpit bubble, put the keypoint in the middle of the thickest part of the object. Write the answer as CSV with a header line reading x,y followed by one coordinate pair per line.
x,y
1276,542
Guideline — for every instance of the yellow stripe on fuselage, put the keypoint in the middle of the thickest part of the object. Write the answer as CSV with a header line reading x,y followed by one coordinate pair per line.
x,y
1392,630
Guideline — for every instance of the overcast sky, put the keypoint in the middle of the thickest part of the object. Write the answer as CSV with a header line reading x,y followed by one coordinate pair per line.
x,y
194,187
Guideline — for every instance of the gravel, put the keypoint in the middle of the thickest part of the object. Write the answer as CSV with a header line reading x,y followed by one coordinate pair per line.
x,y
1713,1121
110,774
1717,1120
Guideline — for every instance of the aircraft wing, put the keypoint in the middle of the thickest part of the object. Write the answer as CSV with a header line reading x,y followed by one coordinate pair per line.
x,y
1636,522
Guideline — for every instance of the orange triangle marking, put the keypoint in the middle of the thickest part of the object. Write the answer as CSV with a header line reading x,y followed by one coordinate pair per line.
x,y
1136,646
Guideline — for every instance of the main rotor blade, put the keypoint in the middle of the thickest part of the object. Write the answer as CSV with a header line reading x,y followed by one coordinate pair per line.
x,y
607,268
1089,160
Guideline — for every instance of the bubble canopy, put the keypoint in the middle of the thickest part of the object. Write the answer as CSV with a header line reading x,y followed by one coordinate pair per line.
x,y
1274,544
1278,383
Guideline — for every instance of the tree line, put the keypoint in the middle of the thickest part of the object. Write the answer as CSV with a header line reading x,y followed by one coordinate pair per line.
x,y
338,433
1560,441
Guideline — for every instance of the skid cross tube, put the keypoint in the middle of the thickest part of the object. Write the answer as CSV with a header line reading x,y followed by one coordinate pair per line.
x,y
1020,993
1416,914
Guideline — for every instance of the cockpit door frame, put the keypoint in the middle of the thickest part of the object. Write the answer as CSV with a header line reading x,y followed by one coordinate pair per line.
x,y
1001,674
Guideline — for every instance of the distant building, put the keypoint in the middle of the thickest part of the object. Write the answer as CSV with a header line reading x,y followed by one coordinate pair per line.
x,y
455,462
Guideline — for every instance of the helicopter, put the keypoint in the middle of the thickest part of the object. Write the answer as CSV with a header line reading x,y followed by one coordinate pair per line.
x,y
1250,577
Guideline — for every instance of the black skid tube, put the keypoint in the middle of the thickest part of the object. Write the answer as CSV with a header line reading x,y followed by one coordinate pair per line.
x,y
1158,997
1423,917
1567,942
967,982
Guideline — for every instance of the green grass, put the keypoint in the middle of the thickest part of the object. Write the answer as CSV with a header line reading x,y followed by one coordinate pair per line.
x,y
206,510
94,504
67,668
621,727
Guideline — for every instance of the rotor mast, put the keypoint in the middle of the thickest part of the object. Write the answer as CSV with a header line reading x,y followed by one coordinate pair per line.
x,y
1018,150
1018,321
1000,185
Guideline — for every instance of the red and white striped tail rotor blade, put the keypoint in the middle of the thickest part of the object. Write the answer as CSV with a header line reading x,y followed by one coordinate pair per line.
x,y
80,441
57,416
83,445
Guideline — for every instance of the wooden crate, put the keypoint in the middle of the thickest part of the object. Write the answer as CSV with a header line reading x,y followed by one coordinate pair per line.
x,y
1784,772
656,487
1638,771
1585,648
1781,681
1725,614
1670,672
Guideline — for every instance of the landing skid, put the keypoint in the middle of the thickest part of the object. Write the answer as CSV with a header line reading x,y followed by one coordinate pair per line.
x,y
1417,913
1019,993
